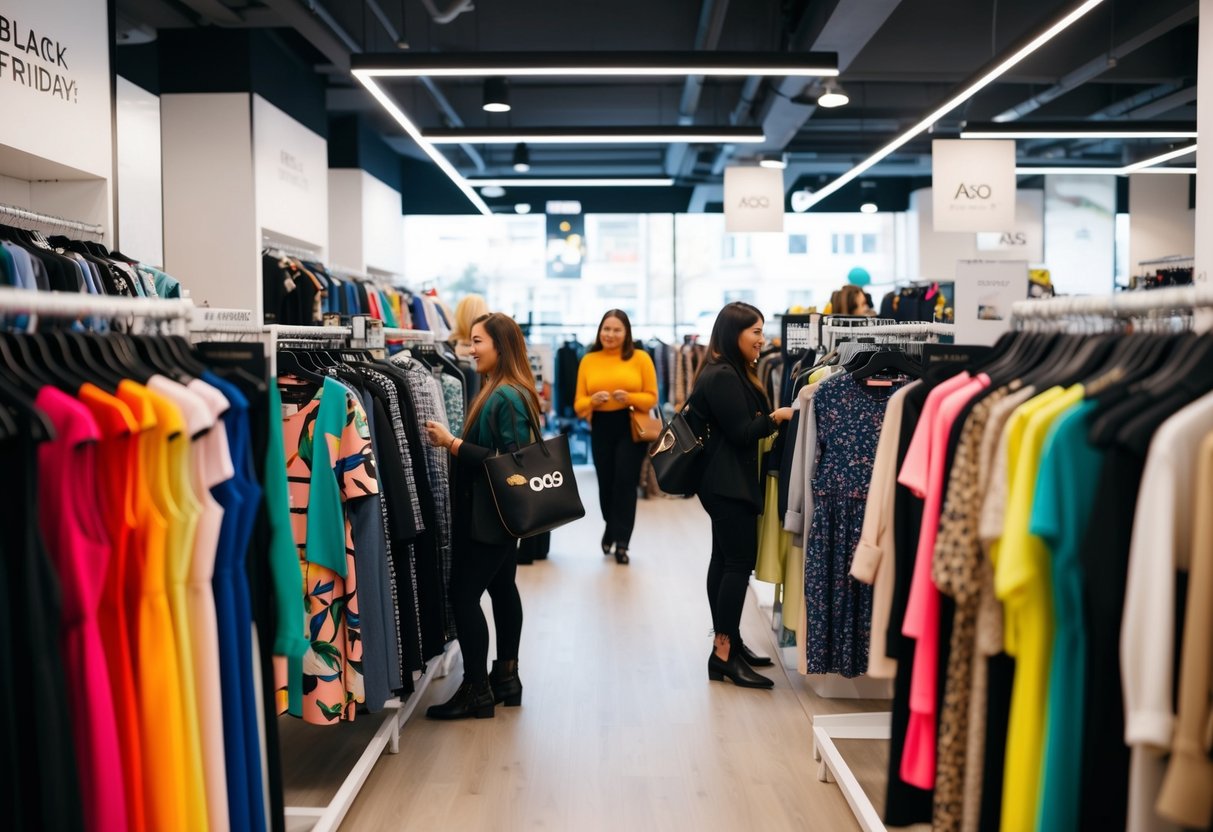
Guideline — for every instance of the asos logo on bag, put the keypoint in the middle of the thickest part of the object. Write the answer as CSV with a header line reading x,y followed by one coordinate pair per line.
x,y
552,480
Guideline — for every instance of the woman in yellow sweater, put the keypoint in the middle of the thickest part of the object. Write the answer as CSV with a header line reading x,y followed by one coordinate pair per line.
x,y
613,377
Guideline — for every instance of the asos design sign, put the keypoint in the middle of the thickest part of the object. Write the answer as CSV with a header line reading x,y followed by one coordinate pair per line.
x,y
973,183
753,199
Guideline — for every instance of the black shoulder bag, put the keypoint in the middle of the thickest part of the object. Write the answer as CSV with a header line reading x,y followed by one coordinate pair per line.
x,y
677,455
533,489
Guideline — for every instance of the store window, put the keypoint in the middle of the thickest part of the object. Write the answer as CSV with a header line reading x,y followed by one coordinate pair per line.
x,y
632,260
1080,233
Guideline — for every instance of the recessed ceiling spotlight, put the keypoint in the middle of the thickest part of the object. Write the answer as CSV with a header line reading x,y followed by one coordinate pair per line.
x,y
496,95
522,158
776,161
802,200
868,208
523,208
832,95
493,191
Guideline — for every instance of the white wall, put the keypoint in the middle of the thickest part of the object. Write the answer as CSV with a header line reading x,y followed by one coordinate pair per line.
x,y
291,164
366,228
935,254
1204,128
140,232
211,239
1160,222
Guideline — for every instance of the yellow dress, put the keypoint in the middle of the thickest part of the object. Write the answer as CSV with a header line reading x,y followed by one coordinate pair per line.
x,y
160,708
181,535
1023,582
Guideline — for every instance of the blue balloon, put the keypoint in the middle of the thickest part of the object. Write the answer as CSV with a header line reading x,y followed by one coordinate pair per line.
x,y
859,276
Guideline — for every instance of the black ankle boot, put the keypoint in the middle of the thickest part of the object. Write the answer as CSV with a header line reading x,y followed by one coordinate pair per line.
x,y
750,657
472,699
507,687
621,555
736,670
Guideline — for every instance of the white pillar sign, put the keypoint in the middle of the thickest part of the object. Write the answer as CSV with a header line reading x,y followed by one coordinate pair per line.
x,y
985,290
973,182
753,200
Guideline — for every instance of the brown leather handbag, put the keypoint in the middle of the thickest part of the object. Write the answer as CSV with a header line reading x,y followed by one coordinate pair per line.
x,y
645,427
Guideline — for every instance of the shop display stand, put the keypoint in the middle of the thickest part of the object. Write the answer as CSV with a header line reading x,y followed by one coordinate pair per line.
x,y
328,818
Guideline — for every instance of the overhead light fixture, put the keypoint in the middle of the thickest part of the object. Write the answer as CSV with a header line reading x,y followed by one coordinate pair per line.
x,y
1082,130
1098,171
868,208
493,191
647,64
802,200
777,161
522,158
402,40
496,95
574,183
598,135
983,80
368,67
1159,159
522,208
563,207
832,95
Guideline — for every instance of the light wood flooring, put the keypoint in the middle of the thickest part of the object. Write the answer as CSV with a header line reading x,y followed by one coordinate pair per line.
x,y
620,728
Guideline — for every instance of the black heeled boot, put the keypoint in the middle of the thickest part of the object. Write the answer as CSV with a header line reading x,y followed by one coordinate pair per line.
x,y
751,658
737,671
607,545
472,699
621,555
507,687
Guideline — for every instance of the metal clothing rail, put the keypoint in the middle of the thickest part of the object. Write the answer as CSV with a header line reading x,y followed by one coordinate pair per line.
x,y
414,336
1173,258
50,220
80,305
922,328
1127,304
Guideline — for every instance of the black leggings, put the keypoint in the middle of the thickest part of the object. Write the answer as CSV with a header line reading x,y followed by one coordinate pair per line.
x,y
617,461
734,554
477,567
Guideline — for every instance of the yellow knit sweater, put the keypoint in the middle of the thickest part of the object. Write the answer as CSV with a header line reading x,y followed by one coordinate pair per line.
x,y
606,371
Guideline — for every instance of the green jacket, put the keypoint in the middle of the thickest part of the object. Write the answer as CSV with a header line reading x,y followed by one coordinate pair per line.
x,y
502,423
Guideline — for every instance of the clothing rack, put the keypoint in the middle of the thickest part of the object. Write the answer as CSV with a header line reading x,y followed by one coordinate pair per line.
x,y
409,336
303,251
50,220
1125,305
79,305
886,330
1173,258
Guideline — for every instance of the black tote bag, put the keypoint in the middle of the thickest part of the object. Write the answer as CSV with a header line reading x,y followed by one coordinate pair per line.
x,y
677,456
533,488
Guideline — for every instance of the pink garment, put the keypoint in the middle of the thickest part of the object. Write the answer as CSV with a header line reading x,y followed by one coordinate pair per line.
x,y
79,549
926,479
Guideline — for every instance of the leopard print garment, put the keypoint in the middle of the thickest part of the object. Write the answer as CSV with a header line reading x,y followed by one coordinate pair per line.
x,y
955,570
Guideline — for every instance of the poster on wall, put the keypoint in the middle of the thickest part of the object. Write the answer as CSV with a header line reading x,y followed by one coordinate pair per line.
x,y
973,184
753,200
55,84
565,245
985,290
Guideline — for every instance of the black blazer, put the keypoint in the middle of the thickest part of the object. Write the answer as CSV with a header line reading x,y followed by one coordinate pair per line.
x,y
737,418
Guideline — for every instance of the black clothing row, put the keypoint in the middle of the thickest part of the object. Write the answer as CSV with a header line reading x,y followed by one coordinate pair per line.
x,y
28,260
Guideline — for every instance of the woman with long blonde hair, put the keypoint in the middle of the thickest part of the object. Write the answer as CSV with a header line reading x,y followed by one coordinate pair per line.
x,y
499,420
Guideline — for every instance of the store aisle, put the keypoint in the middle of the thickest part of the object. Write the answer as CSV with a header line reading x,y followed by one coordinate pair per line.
x,y
619,727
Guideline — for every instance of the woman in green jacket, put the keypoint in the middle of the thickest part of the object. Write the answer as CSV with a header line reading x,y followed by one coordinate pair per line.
x,y
485,555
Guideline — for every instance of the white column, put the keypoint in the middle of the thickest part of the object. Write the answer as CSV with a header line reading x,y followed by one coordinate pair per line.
x,y
1204,153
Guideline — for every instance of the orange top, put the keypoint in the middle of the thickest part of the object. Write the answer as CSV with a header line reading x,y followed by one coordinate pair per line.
x,y
606,371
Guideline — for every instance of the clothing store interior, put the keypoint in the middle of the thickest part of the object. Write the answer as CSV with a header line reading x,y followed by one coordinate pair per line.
x,y
883,320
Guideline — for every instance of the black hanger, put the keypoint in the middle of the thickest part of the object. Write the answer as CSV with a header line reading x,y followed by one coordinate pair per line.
x,y
97,372
288,362
123,348
18,370
154,352
887,361
60,367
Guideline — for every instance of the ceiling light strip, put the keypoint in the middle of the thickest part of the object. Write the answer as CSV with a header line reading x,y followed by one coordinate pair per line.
x,y
415,133
1097,171
648,64
673,136
951,104
1079,134
571,183
1177,153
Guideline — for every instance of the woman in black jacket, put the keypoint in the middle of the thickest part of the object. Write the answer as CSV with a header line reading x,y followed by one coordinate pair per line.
x,y
729,398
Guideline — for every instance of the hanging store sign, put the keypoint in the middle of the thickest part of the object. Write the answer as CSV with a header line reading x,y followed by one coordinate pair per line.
x,y
985,290
753,200
1025,240
55,84
973,184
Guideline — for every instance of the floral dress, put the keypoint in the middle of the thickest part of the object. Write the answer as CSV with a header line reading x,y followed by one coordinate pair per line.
x,y
849,416
330,462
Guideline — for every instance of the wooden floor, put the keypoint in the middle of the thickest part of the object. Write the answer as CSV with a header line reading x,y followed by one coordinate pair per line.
x,y
619,728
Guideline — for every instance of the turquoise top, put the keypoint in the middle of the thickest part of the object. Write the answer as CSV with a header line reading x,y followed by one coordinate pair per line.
x,y
1065,497
505,411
